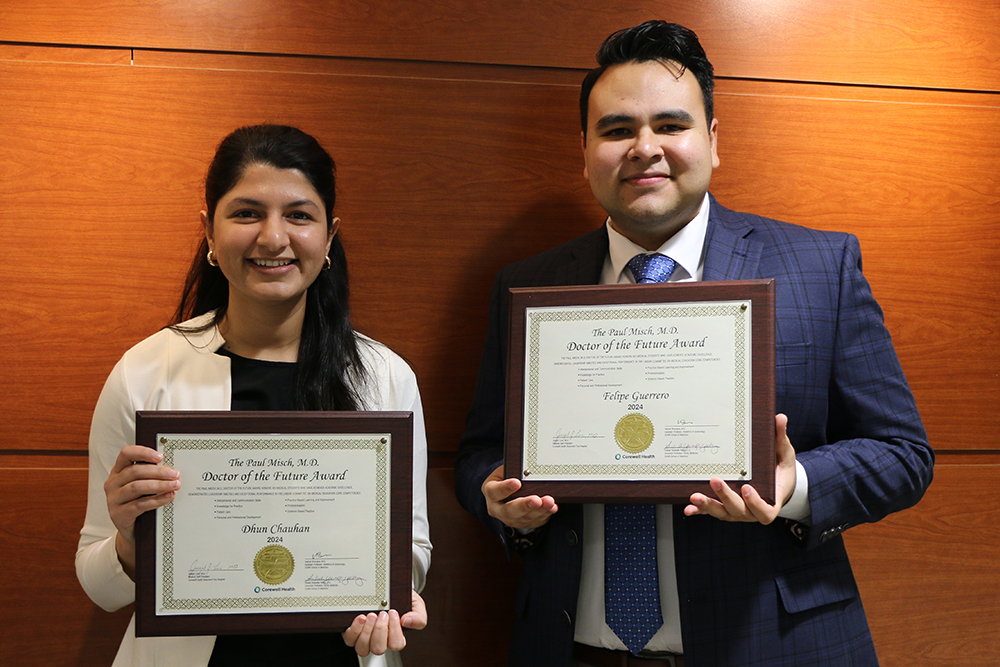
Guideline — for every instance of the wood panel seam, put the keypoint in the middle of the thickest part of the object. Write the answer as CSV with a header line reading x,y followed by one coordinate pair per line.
x,y
445,64
818,98
850,84
2,468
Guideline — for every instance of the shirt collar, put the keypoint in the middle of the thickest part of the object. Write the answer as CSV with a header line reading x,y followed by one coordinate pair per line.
x,y
685,247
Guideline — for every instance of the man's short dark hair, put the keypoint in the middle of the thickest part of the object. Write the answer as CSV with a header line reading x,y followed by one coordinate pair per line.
x,y
652,41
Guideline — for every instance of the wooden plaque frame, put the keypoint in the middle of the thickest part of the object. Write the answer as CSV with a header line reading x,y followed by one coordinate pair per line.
x,y
759,292
398,424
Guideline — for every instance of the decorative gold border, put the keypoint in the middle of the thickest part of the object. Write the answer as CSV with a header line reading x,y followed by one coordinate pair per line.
x,y
740,311
380,443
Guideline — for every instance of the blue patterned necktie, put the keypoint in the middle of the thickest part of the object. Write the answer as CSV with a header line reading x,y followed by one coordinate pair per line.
x,y
631,580
651,268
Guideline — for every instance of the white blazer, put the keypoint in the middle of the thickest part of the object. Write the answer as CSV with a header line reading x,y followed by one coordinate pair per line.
x,y
171,371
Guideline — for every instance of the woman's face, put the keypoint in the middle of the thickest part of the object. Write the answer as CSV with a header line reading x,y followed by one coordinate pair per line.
x,y
269,236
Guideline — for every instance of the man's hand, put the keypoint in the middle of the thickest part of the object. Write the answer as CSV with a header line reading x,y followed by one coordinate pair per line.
x,y
375,633
732,506
527,512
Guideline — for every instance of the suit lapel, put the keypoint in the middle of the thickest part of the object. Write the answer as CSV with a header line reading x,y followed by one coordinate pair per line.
x,y
585,260
731,252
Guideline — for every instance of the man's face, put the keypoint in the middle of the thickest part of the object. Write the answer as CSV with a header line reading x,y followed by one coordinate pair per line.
x,y
649,151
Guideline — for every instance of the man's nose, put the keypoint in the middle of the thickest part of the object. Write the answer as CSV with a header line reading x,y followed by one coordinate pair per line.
x,y
645,146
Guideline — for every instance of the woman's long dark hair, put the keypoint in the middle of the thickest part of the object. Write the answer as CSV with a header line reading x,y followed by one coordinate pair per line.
x,y
329,374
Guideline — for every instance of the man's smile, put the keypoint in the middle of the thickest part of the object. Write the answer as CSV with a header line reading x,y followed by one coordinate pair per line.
x,y
647,179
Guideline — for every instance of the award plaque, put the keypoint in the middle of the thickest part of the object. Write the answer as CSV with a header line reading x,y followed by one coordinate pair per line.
x,y
284,522
641,393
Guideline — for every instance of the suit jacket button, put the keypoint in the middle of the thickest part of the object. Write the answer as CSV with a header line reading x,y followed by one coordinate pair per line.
x,y
567,619
572,538
830,533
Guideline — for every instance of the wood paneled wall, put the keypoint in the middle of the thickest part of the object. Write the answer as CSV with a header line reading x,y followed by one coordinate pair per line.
x,y
455,130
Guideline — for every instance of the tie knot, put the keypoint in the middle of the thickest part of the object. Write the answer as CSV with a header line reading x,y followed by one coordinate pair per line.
x,y
651,268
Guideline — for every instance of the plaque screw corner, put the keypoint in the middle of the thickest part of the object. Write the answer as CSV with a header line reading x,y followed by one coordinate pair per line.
x,y
527,472
385,603
384,441
743,307
163,441
743,473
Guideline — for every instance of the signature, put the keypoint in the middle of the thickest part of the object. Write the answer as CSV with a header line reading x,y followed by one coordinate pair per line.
x,y
336,581
213,567
574,433
691,448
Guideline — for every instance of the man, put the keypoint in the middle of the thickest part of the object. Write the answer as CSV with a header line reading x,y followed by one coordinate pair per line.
x,y
735,586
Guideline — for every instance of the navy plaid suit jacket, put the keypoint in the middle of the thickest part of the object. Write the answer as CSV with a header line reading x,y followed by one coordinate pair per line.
x,y
750,595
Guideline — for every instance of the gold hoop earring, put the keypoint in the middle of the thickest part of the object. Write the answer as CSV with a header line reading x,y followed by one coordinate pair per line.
x,y
328,264
211,259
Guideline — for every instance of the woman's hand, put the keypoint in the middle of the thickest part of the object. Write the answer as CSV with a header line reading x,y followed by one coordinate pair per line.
x,y
136,485
375,633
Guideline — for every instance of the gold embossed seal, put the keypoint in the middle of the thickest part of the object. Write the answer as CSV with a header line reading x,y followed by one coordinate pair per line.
x,y
634,432
273,564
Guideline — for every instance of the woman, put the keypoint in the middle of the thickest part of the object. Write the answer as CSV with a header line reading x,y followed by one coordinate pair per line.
x,y
263,324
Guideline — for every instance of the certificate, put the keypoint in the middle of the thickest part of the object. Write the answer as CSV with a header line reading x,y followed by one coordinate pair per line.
x,y
284,522
641,393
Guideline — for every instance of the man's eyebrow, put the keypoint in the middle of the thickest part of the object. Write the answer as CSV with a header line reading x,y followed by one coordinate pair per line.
x,y
613,119
679,115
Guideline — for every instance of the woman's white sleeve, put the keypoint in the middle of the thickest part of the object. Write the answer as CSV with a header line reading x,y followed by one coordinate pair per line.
x,y
97,566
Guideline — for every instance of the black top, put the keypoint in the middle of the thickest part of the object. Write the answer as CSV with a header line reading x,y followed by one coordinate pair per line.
x,y
267,385
260,385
